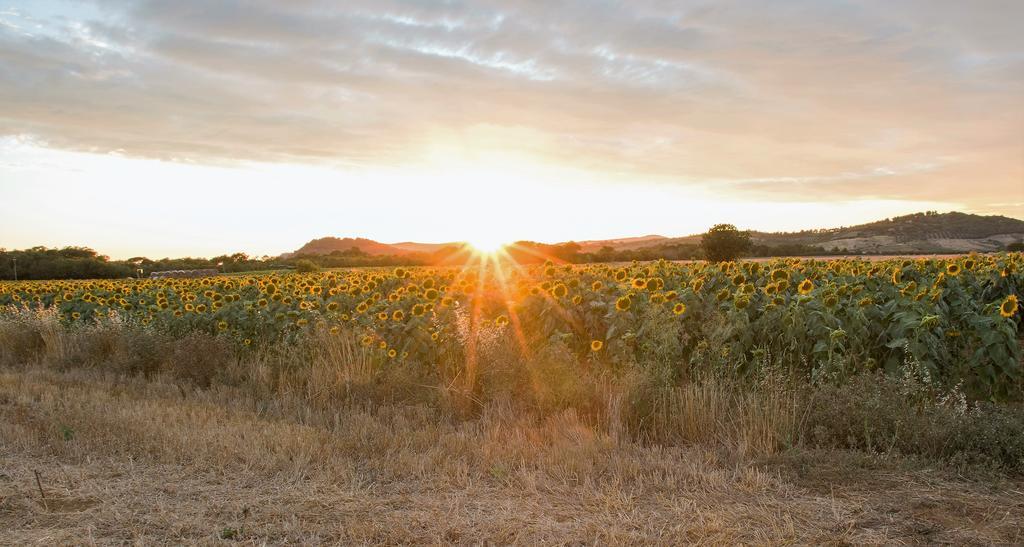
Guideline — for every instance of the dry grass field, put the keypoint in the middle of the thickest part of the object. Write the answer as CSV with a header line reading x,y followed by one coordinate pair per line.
x,y
161,462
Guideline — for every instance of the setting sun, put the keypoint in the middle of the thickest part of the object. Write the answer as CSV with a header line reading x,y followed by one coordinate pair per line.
x,y
486,244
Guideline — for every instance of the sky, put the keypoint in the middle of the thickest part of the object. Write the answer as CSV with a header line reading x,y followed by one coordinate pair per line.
x,y
194,127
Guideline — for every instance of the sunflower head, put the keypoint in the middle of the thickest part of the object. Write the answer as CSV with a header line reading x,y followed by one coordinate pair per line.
x,y
1009,306
806,286
623,303
559,290
679,308
596,345
953,269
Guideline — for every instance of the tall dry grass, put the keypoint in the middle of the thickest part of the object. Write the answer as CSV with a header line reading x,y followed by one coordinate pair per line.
x,y
324,372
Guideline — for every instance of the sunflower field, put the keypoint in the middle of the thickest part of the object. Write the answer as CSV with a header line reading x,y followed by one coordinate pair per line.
x,y
956,318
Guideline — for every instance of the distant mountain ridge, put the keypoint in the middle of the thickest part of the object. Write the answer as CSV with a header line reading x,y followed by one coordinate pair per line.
x,y
918,233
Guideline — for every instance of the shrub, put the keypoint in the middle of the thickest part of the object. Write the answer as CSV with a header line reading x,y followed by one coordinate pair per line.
x,y
306,266
883,414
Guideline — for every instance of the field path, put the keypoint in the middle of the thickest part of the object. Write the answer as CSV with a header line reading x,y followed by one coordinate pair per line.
x,y
155,463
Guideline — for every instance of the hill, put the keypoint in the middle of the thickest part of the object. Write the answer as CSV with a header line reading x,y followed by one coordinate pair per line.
x,y
920,233
917,233
621,244
328,245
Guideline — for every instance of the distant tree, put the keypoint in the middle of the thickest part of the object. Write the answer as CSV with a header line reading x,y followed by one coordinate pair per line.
x,y
724,242
306,266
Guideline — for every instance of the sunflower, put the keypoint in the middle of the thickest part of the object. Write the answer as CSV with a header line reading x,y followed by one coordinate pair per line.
x,y
398,315
501,320
806,286
418,309
1009,306
596,286
596,345
559,290
953,269
679,308
623,303
897,276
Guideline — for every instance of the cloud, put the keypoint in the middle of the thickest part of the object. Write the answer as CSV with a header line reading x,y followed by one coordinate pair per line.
x,y
786,100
